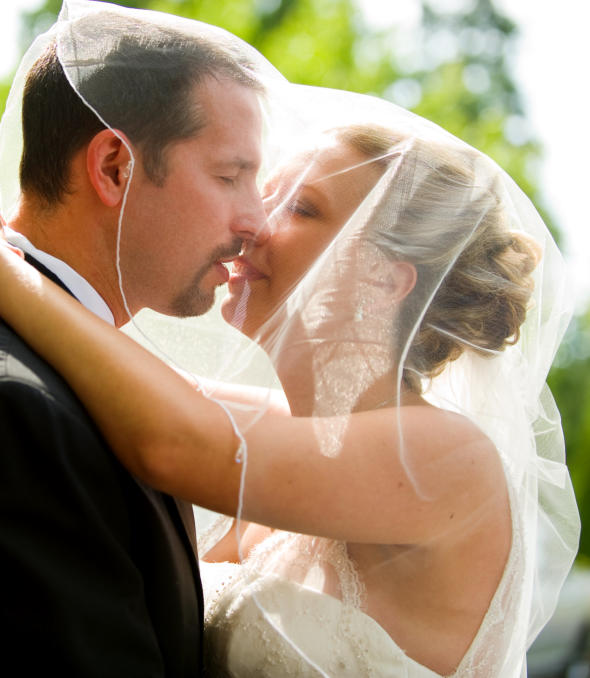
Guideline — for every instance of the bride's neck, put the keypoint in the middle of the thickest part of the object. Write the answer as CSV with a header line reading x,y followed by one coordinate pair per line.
x,y
337,380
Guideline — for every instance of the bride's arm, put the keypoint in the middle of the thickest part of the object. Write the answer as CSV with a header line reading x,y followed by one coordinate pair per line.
x,y
128,404
182,443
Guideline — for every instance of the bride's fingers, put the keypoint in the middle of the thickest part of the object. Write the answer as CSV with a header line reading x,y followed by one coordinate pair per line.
x,y
5,243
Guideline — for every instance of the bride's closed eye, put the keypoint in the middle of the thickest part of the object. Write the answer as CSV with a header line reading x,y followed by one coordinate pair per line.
x,y
294,204
303,208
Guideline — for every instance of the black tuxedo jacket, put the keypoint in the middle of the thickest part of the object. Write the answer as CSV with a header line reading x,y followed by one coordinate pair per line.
x,y
98,573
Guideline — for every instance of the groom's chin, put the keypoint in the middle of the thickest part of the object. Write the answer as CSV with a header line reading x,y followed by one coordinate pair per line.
x,y
191,305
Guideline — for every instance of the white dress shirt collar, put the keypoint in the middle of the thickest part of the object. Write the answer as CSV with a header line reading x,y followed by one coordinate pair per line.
x,y
78,286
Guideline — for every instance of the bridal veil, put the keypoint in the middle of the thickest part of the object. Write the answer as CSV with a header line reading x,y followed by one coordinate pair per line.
x,y
441,280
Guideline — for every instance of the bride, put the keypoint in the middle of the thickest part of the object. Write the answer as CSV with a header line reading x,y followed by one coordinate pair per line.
x,y
413,516
443,509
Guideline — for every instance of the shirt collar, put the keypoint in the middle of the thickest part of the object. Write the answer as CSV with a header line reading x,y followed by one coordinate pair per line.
x,y
80,288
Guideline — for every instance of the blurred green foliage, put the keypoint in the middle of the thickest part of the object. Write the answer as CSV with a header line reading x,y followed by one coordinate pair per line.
x,y
569,380
453,68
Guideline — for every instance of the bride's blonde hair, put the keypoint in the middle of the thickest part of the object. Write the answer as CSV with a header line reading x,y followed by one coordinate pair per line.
x,y
457,234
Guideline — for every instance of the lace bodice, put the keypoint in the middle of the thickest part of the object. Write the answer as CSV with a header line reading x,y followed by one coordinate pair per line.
x,y
333,636
243,641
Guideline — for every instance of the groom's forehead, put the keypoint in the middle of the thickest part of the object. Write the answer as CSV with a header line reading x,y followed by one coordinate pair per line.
x,y
230,113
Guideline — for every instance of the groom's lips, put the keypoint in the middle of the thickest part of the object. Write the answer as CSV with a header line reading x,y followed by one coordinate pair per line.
x,y
222,269
242,269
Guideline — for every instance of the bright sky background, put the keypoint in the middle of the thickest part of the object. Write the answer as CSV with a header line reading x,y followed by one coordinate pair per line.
x,y
552,73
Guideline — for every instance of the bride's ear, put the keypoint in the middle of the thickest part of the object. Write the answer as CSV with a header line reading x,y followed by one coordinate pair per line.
x,y
401,279
108,160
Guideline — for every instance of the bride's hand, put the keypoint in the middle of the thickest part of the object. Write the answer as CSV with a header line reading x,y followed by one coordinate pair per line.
x,y
5,243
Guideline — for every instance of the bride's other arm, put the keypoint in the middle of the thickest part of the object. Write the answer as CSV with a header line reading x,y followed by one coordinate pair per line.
x,y
237,544
184,444
259,398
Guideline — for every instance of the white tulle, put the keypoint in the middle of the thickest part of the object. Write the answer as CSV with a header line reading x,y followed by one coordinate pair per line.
x,y
296,605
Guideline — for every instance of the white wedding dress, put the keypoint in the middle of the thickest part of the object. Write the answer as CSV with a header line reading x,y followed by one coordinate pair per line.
x,y
334,633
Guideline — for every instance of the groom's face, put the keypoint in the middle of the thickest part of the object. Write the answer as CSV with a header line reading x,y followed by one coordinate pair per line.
x,y
177,235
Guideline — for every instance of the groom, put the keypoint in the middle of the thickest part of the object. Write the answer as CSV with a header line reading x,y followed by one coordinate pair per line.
x,y
100,573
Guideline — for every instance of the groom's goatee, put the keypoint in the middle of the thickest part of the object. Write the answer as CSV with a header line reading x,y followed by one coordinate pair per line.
x,y
194,300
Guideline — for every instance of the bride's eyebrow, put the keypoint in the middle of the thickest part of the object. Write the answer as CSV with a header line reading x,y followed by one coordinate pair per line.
x,y
288,189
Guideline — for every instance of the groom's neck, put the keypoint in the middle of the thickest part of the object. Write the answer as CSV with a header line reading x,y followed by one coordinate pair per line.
x,y
74,237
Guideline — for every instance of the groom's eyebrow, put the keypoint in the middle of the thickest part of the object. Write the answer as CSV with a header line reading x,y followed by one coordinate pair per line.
x,y
237,163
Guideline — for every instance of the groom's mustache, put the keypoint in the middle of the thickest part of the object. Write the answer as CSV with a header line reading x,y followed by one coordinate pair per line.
x,y
225,253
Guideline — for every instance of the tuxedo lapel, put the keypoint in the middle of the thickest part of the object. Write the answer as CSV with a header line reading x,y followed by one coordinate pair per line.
x,y
176,507
185,511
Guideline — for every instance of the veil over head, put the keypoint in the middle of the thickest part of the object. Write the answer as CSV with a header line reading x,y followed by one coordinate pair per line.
x,y
441,279
401,262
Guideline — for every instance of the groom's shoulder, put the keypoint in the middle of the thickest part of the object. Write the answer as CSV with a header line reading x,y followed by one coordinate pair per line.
x,y
23,370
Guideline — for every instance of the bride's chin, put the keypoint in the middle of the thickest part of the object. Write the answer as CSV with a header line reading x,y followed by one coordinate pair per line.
x,y
228,307
234,315
246,322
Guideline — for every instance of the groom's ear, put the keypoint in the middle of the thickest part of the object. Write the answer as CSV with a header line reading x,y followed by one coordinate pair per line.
x,y
107,162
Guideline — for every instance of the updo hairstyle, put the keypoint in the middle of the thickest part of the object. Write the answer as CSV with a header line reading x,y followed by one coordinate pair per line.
x,y
443,210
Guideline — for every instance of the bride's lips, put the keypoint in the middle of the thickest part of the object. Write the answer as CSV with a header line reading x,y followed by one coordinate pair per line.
x,y
243,269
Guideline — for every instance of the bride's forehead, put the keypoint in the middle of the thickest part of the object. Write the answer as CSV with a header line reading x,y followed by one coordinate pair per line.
x,y
325,159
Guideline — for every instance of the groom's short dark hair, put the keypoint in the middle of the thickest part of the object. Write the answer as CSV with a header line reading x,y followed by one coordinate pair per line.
x,y
145,88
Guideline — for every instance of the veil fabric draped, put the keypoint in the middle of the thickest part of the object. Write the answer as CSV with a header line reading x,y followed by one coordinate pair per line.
x,y
411,265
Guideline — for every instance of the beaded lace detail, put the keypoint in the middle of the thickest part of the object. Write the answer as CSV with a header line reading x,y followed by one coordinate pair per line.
x,y
306,552
288,576
322,558
488,655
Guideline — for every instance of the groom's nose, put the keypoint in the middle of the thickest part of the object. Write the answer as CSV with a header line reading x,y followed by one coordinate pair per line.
x,y
252,223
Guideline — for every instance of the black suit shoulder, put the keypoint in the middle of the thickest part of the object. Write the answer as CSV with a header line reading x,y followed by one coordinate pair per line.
x,y
91,559
19,364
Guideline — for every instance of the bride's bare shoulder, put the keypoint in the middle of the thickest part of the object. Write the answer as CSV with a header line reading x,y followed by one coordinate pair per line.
x,y
418,420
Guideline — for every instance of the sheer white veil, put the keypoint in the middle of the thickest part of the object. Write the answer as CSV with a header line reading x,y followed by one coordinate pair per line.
x,y
474,332
476,335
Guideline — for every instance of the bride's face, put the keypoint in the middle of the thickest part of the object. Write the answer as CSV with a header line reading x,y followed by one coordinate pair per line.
x,y
307,202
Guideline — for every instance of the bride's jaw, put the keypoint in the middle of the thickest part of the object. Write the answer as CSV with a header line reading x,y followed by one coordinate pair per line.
x,y
242,288
242,309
